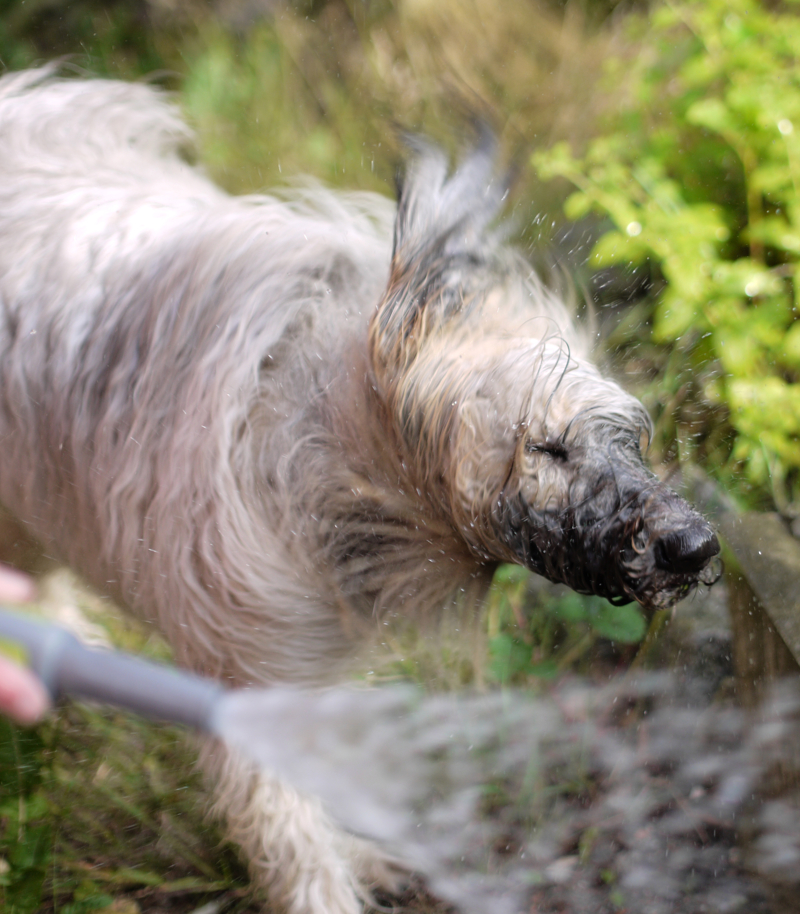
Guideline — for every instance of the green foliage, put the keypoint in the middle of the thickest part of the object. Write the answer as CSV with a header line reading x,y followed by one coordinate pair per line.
x,y
110,36
101,811
266,109
96,805
701,178
25,833
540,638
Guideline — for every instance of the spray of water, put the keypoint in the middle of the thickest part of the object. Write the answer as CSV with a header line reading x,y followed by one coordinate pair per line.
x,y
444,782
586,799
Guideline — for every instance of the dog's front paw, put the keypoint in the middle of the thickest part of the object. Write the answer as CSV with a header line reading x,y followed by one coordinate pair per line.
x,y
297,856
374,869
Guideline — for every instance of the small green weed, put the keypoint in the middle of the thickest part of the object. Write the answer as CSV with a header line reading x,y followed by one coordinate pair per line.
x,y
544,635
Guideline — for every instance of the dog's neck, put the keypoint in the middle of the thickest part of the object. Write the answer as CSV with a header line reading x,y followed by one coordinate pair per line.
x,y
377,513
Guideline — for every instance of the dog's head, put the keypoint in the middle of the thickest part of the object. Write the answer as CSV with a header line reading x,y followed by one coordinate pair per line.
x,y
509,432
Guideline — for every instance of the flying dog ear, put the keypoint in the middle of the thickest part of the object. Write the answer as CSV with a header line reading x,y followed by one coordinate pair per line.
x,y
436,210
440,252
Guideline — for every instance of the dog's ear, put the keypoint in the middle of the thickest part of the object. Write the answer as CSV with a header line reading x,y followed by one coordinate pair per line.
x,y
437,211
440,249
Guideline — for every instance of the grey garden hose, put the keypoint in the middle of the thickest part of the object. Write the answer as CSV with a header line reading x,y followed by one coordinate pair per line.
x,y
67,667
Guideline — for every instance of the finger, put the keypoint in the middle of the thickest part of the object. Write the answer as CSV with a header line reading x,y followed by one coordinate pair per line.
x,y
22,696
15,587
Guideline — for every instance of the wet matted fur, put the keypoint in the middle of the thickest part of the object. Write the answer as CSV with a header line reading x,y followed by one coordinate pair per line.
x,y
263,424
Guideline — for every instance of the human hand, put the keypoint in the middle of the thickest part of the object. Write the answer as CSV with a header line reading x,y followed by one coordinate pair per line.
x,y
22,696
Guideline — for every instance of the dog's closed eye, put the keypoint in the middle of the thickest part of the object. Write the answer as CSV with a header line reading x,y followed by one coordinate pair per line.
x,y
553,448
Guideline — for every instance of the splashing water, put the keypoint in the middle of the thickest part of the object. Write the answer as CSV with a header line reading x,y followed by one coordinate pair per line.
x,y
575,801
442,781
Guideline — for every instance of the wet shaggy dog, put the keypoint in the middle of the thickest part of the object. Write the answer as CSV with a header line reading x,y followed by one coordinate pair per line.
x,y
263,424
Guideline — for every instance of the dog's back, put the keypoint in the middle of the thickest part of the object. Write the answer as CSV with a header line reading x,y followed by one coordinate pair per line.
x,y
161,347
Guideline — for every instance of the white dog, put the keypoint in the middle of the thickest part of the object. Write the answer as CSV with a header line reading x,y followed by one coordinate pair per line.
x,y
260,427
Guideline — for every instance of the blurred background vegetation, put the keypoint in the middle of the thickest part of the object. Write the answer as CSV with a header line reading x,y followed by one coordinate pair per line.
x,y
657,153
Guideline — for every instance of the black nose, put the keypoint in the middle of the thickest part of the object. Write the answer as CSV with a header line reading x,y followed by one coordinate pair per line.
x,y
688,550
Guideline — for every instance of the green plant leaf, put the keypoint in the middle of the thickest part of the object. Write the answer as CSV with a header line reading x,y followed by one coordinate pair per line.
x,y
507,575
571,608
508,657
625,624
713,114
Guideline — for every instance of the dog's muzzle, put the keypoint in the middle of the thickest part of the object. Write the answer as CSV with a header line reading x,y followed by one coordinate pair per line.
x,y
673,551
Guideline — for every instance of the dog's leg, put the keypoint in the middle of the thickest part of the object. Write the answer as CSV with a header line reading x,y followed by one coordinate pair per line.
x,y
297,856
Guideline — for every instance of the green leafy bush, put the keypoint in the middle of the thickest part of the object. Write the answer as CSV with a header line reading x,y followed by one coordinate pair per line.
x,y
701,178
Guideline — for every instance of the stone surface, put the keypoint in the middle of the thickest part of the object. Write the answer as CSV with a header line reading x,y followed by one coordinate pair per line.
x,y
769,557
